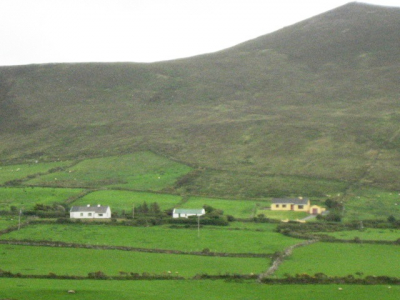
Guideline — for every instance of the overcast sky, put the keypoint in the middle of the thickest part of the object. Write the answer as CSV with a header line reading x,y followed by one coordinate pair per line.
x,y
47,31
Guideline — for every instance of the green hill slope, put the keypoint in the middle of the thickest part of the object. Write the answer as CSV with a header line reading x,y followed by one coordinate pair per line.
x,y
318,100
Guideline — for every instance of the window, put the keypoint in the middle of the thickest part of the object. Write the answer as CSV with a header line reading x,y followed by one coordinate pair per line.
x,y
276,205
300,206
89,214
100,215
283,205
81,214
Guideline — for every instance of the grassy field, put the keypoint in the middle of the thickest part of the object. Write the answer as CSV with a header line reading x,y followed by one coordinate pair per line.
x,y
343,259
253,226
139,171
8,221
282,215
236,208
124,200
27,197
370,203
218,240
244,186
45,289
70,261
13,172
367,234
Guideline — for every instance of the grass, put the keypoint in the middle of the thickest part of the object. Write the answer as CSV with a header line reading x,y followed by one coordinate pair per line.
x,y
372,203
27,197
253,226
21,171
367,234
285,114
236,208
138,171
124,200
67,261
246,186
342,260
8,221
45,289
282,215
215,239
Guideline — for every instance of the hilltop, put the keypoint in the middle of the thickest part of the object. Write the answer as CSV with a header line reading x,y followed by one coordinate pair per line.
x,y
313,104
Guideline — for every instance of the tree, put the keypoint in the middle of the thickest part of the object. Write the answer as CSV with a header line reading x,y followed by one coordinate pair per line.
x,y
144,208
333,204
208,208
155,208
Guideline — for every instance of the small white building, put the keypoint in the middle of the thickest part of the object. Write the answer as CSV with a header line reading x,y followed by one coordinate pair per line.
x,y
90,212
185,213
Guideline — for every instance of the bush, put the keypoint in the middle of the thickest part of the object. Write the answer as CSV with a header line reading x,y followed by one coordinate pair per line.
x,y
64,220
333,217
97,275
230,218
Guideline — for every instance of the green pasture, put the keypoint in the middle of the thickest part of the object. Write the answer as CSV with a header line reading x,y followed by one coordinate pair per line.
x,y
371,234
253,226
217,240
49,289
245,186
138,171
74,261
8,221
125,200
370,203
282,215
21,171
336,259
27,197
236,208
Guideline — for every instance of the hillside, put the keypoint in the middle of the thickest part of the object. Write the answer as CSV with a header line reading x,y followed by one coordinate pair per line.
x,y
313,104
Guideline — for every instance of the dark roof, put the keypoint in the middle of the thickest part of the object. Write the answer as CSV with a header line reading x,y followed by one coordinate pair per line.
x,y
99,209
301,201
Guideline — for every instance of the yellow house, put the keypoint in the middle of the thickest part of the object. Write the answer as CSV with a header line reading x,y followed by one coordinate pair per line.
x,y
296,204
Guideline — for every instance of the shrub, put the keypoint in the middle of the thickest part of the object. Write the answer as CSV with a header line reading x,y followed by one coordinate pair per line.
x,y
64,220
230,218
333,217
97,275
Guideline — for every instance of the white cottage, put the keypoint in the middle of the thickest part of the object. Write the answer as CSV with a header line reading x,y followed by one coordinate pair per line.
x,y
90,212
185,213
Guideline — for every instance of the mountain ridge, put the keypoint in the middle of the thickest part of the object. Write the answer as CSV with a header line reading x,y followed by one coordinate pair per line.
x,y
307,100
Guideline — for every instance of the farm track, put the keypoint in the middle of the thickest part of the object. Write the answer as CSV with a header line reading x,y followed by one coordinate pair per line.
x,y
280,258
133,249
